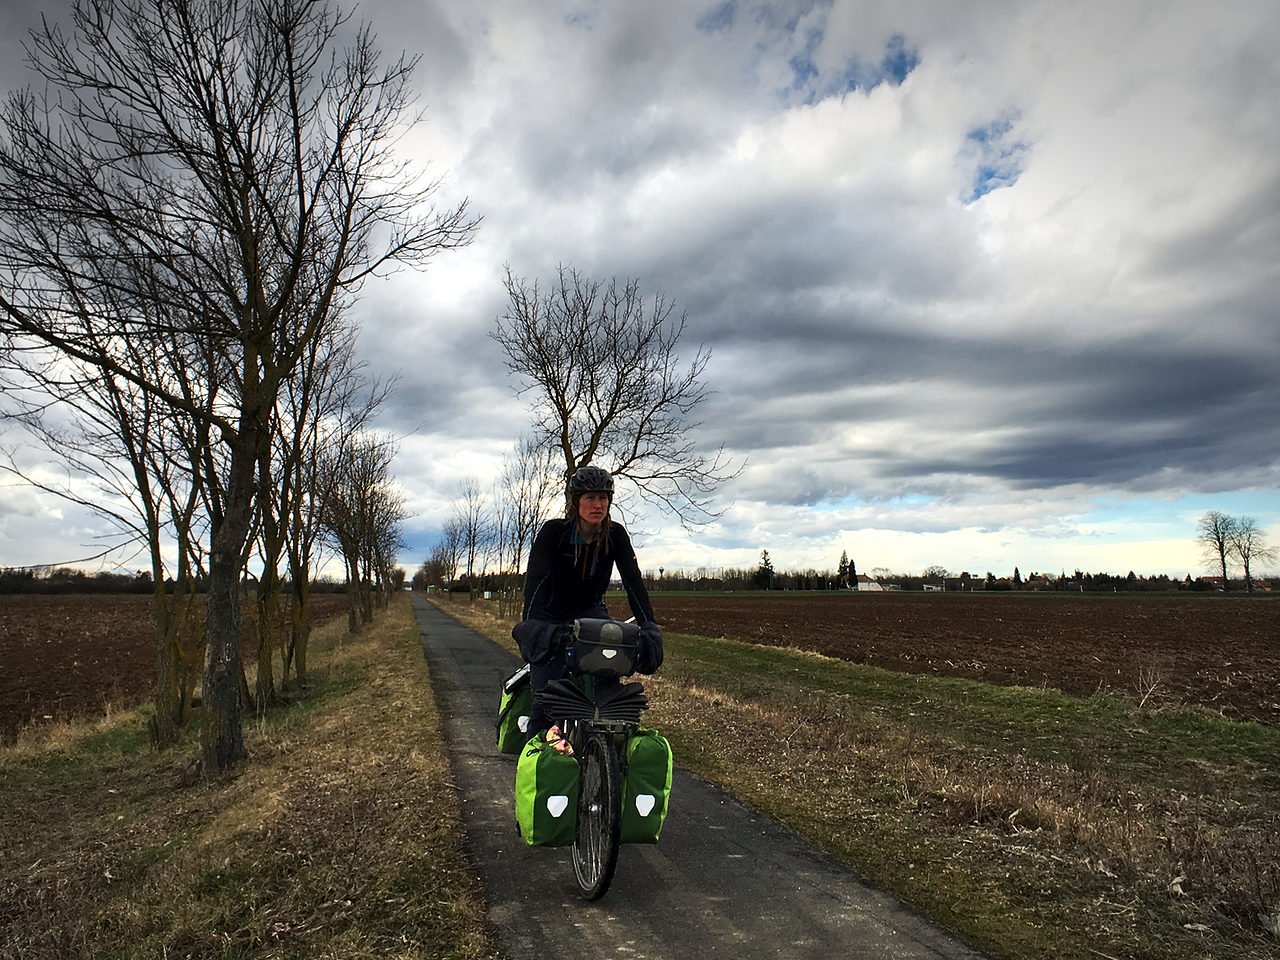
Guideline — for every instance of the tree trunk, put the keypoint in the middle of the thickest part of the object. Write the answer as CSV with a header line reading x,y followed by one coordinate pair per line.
x,y
223,734
169,694
300,619
268,603
268,610
223,738
353,598
301,630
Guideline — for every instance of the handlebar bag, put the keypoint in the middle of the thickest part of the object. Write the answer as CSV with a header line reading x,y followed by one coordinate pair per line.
x,y
514,709
546,795
605,647
646,787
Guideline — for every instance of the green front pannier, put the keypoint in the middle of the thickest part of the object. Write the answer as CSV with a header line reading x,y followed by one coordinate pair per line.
x,y
546,795
513,712
647,787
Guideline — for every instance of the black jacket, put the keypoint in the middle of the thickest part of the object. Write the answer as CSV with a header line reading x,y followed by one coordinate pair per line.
x,y
568,580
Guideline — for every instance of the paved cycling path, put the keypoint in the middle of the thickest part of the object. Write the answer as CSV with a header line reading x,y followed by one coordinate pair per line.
x,y
723,882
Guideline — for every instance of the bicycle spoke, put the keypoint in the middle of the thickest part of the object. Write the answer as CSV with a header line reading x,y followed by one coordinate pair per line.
x,y
595,849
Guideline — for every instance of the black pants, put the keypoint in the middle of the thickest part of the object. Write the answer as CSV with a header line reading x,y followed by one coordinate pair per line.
x,y
540,674
555,667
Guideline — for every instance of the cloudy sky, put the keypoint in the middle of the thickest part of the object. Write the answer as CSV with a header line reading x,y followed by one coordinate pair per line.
x,y
985,284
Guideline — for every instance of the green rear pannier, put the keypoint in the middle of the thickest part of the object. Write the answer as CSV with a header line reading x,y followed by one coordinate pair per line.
x,y
513,712
647,787
546,795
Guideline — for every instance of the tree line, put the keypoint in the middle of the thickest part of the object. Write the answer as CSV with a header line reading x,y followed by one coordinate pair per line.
x,y
485,540
68,580
737,579
191,197
764,576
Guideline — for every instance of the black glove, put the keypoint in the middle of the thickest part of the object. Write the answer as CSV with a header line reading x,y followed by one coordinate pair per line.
x,y
540,640
649,648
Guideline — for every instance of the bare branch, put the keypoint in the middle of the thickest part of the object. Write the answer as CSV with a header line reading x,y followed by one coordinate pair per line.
x,y
603,368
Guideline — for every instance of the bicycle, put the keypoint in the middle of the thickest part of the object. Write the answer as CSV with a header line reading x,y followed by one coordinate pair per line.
x,y
598,713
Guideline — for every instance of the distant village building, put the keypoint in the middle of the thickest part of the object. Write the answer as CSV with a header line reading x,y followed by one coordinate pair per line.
x,y
1217,583
863,582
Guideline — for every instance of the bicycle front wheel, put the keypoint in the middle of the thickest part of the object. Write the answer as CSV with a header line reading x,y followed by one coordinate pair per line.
x,y
595,848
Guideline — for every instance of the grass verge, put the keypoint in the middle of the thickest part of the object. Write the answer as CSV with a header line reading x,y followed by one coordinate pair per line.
x,y
1034,823
341,839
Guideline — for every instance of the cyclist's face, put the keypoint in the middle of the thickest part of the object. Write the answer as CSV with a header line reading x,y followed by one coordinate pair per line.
x,y
592,507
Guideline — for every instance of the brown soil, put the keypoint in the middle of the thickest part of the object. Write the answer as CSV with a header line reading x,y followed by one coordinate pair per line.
x,y
1221,653
69,656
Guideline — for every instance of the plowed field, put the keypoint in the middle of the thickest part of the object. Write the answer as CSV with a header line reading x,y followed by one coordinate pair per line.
x,y
1222,653
69,656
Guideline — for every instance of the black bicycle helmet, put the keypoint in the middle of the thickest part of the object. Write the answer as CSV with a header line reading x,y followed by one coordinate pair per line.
x,y
590,478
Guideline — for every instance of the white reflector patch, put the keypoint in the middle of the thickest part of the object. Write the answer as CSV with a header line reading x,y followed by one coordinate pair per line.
x,y
609,654
523,724
645,803
557,805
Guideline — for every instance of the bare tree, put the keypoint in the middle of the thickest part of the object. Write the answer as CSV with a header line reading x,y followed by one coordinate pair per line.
x,y
326,407
385,541
361,515
602,364
222,171
474,522
143,461
1248,542
528,489
1215,533
443,562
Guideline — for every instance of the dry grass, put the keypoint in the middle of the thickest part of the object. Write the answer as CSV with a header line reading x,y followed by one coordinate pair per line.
x,y
340,839
1037,824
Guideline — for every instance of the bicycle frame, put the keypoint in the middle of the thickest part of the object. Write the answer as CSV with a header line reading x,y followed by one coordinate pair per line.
x,y
596,712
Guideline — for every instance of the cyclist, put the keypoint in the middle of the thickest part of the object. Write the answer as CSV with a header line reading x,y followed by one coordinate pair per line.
x,y
570,566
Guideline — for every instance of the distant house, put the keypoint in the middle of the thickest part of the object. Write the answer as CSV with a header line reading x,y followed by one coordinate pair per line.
x,y
1217,583
866,583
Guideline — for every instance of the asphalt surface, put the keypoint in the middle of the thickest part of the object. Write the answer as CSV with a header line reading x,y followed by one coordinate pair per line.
x,y
723,881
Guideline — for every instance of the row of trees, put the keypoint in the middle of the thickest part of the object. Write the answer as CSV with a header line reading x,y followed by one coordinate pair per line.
x,y
765,577
486,539
65,580
68,580
189,201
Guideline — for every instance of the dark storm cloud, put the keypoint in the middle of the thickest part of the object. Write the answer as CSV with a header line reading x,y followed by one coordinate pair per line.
x,y
1040,414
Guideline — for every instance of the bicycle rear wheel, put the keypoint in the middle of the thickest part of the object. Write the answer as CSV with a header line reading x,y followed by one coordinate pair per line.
x,y
595,848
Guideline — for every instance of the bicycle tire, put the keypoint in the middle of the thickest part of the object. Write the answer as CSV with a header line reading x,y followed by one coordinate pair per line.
x,y
595,846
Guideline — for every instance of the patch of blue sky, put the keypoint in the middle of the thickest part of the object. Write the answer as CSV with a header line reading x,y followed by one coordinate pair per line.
x,y
996,155
719,19
1178,518
851,500
803,70
899,60
856,75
